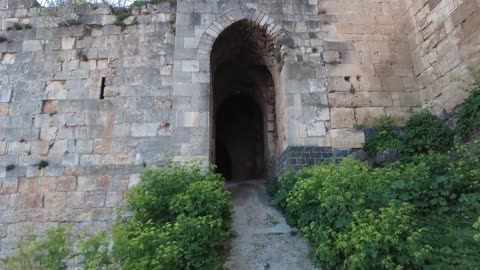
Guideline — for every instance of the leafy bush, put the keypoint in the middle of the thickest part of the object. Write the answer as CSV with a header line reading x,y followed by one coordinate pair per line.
x,y
425,132
200,240
477,227
50,252
56,248
328,193
180,219
334,207
412,214
383,239
423,182
145,246
469,113
151,199
95,252
203,198
282,187
452,242
384,137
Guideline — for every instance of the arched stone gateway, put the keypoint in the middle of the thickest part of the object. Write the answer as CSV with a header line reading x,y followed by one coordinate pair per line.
x,y
271,54
258,18
243,119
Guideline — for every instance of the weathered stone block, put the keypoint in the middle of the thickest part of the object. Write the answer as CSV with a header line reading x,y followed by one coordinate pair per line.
x,y
66,183
33,200
347,138
9,186
316,129
366,116
342,117
144,130
86,183
32,45
55,199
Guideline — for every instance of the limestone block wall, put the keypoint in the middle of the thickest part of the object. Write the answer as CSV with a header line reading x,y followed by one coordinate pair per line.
x,y
368,65
82,110
444,37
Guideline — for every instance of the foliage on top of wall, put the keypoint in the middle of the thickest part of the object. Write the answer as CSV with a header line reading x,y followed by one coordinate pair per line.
x,y
65,12
468,124
139,3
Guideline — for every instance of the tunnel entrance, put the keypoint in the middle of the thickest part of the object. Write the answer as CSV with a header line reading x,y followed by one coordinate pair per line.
x,y
240,142
243,102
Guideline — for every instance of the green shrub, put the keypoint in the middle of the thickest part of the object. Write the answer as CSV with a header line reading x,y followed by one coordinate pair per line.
x,y
334,206
452,240
384,137
477,227
469,114
464,176
421,182
280,189
425,132
411,214
50,252
150,200
383,239
95,252
203,198
201,241
180,219
145,246
329,193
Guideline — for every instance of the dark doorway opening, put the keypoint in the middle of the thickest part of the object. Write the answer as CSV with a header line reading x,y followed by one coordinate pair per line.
x,y
243,104
240,140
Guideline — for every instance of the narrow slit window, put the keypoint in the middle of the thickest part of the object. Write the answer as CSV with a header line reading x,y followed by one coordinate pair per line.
x,y
102,89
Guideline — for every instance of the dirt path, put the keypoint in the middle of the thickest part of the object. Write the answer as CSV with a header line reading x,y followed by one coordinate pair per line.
x,y
262,239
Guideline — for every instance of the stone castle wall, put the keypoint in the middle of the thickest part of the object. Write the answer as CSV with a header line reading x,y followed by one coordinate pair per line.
x,y
444,39
51,81
99,102
369,68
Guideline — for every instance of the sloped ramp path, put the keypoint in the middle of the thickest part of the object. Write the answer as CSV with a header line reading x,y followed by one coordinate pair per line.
x,y
262,239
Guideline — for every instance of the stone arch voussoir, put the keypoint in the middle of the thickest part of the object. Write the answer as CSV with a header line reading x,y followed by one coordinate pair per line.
x,y
208,38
